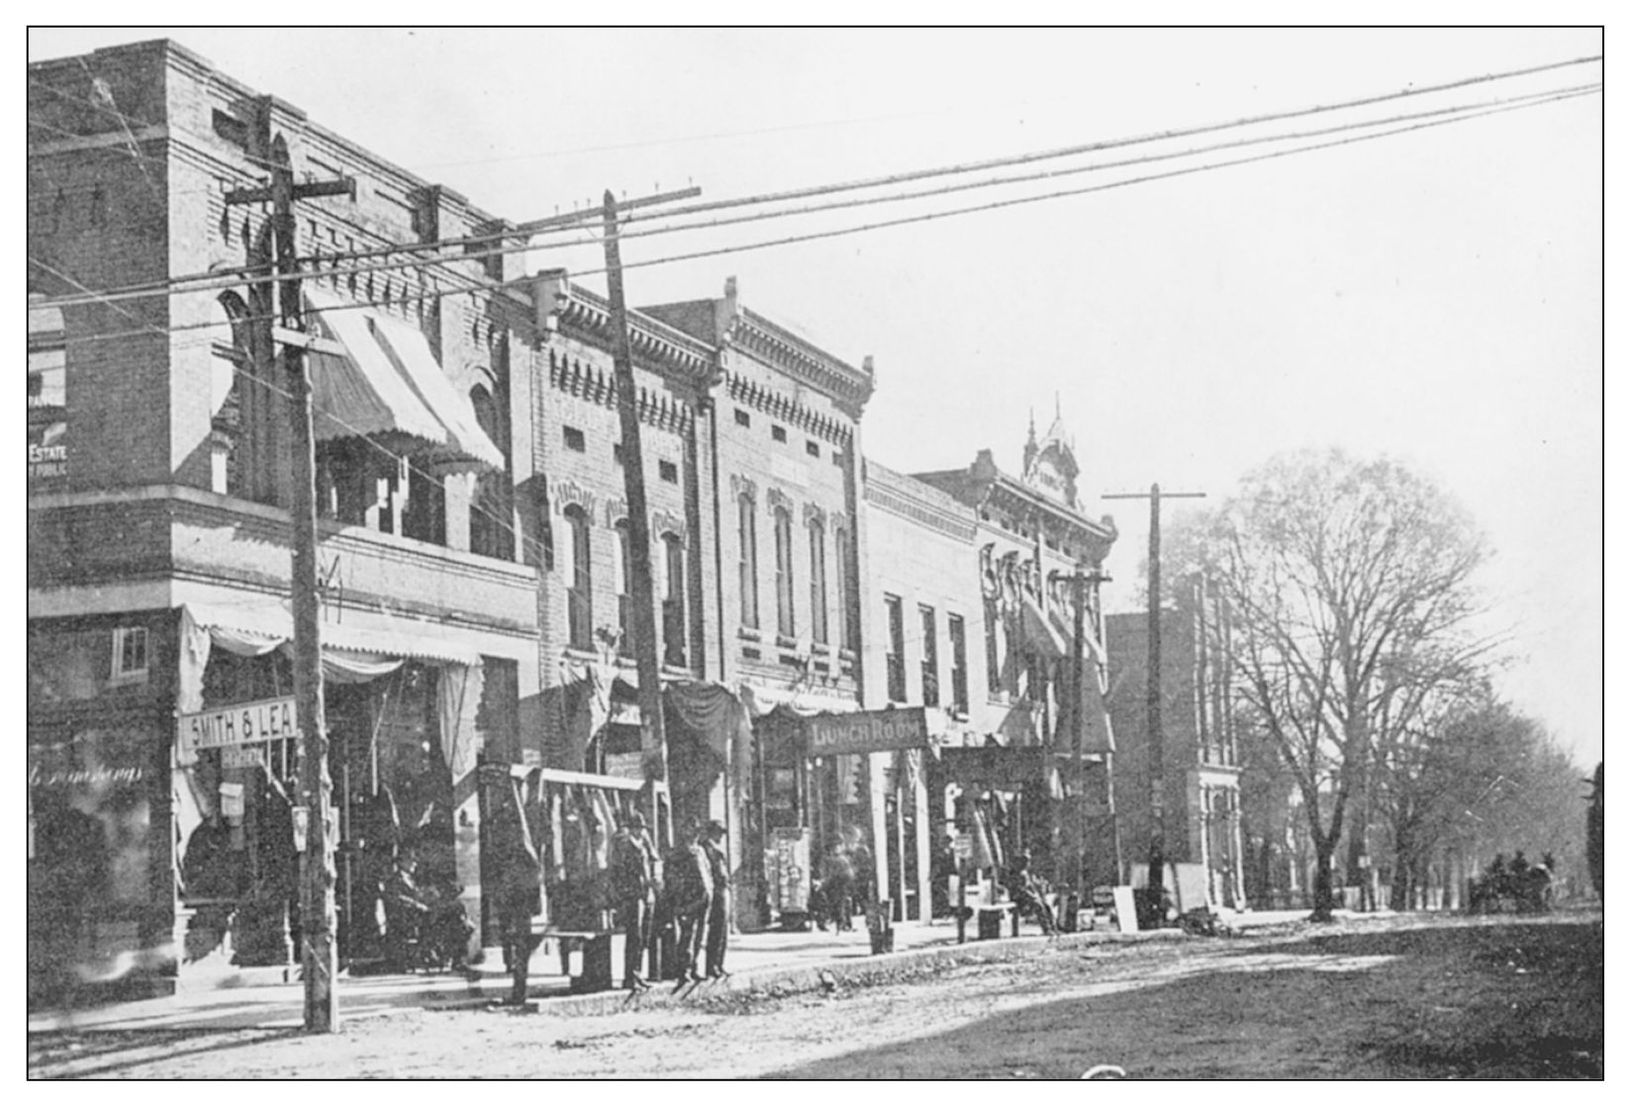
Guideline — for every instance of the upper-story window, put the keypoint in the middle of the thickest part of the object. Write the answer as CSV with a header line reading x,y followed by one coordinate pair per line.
x,y
961,671
491,533
576,577
819,582
895,669
842,589
783,526
995,667
674,601
622,573
929,662
748,577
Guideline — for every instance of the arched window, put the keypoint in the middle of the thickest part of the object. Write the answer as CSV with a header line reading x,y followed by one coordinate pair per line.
x,y
783,524
819,582
490,512
674,601
623,585
748,578
576,577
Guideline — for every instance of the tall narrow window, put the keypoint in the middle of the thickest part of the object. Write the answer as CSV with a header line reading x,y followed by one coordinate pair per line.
x,y
995,669
674,601
819,584
576,576
842,589
748,579
784,526
961,671
929,664
895,672
621,578
490,532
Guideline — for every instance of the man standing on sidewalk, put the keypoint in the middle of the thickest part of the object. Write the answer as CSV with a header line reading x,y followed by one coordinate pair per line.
x,y
634,867
687,890
720,878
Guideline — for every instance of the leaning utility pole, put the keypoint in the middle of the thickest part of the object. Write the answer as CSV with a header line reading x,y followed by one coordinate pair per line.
x,y
317,894
1153,690
654,749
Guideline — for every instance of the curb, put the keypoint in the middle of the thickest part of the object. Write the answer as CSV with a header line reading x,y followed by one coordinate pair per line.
x,y
775,981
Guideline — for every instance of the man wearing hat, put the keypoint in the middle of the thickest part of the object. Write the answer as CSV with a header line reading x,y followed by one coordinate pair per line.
x,y
634,866
720,877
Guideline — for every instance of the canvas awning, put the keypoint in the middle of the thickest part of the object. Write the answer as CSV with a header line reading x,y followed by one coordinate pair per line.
x,y
390,385
245,622
1041,637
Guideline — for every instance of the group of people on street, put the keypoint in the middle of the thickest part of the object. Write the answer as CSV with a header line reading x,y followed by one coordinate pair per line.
x,y
674,907
846,885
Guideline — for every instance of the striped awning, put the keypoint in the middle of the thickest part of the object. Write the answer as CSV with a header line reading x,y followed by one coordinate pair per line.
x,y
389,385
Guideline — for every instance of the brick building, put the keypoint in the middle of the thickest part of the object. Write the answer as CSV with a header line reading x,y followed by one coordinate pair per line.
x,y
781,477
159,559
1034,770
1202,816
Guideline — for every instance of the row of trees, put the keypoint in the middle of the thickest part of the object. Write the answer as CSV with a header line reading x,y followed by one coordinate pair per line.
x,y
1363,679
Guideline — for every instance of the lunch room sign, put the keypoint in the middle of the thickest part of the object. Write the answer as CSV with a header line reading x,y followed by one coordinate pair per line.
x,y
867,731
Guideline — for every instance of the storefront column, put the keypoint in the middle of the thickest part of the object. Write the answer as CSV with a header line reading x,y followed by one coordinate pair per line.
x,y
880,839
921,821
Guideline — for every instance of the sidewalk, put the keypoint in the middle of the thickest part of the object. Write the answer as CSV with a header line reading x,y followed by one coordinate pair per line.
x,y
788,961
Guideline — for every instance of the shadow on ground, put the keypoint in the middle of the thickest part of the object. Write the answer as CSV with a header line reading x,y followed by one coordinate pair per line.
x,y
72,1055
1519,1000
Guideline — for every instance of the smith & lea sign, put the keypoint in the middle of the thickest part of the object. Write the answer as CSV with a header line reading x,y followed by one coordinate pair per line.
x,y
868,731
231,726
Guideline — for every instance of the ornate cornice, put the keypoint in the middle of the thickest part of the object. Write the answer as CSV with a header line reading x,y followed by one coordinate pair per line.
x,y
899,503
744,486
594,384
779,348
776,405
664,350
813,514
565,493
776,498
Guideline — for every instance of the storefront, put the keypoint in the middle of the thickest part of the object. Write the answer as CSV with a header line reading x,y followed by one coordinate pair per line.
x,y
811,815
997,801
402,718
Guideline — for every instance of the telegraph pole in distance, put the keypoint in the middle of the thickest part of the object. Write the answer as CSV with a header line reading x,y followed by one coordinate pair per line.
x,y
1153,690
317,894
654,745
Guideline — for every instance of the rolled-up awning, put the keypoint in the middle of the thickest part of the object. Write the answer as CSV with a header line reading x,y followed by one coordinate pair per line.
x,y
389,385
243,622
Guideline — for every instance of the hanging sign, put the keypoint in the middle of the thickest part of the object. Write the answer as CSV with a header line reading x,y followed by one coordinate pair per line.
x,y
867,731
231,726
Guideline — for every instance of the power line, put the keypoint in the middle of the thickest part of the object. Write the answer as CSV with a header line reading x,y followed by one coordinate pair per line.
x,y
1100,146
1459,112
1010,161
339,421
937,215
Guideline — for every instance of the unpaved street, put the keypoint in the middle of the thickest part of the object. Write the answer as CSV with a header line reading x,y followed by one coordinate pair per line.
x,y
1405,997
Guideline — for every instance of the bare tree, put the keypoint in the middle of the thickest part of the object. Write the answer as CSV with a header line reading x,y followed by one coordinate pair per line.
x,y
1350,586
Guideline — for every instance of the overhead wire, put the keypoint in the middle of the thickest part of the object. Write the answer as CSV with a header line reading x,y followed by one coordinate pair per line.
x,y
333,258
1527,102
1015,160
523,538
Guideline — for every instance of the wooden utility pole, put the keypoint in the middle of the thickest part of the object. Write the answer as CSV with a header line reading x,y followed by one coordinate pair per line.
x,y
317,894
654,748
1080,841
1153,690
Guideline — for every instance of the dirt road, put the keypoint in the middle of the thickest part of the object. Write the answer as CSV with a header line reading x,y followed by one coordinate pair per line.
x,y
1407,997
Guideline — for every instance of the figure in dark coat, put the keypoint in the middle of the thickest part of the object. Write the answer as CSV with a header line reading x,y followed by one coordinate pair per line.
x,y
634,871
688,889
720,884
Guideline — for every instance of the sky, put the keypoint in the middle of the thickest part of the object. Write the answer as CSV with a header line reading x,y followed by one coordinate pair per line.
x,y
1435,297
